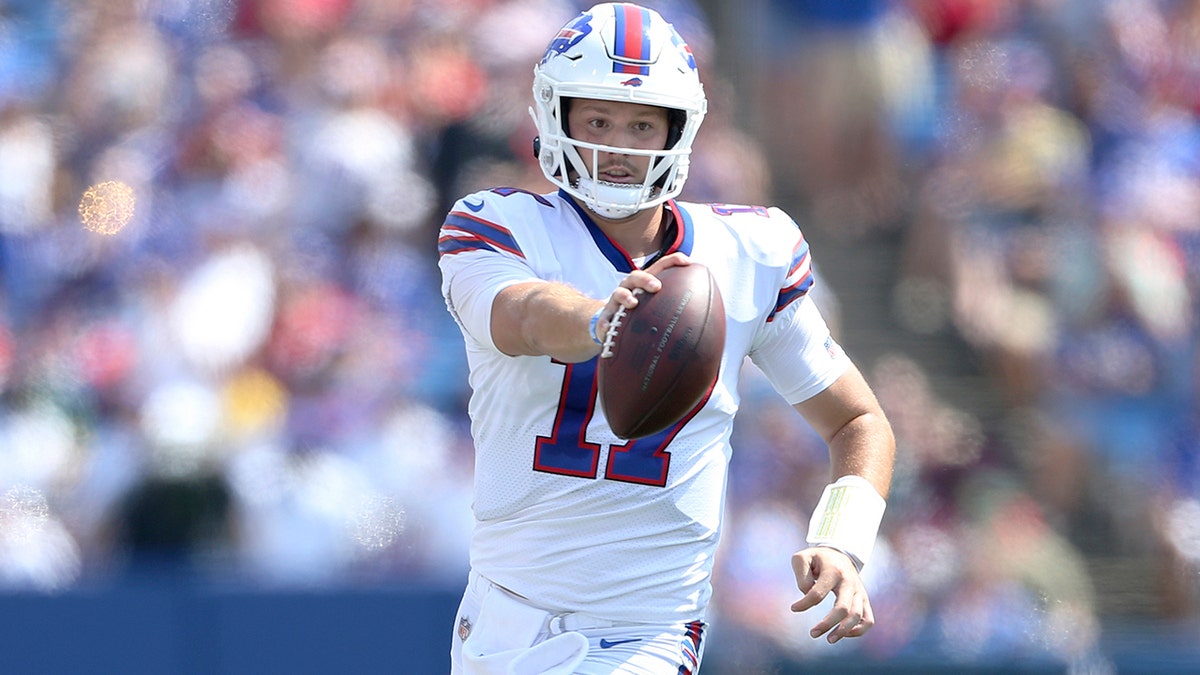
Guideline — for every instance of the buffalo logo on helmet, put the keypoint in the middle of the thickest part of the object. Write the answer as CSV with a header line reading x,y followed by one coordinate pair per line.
x,y
569,36
686,51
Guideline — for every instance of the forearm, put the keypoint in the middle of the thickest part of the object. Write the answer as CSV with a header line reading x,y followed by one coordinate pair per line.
x,y
850,421
864,447
545,319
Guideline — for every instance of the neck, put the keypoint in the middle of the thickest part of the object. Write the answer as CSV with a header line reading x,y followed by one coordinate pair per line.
x,y
639,235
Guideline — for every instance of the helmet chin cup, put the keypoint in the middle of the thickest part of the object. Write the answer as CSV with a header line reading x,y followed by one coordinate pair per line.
x,y
614,201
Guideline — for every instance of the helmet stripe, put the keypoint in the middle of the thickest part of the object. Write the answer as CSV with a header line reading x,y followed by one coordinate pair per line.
x,y
632,40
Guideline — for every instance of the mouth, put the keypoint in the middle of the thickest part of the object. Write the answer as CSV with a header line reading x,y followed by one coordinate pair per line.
x,y
617,175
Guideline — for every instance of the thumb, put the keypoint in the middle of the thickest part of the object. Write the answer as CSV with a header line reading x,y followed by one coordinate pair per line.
x,y
802,567
807,569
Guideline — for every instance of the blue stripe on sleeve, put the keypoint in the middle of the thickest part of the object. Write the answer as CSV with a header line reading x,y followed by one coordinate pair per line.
x,y
462,232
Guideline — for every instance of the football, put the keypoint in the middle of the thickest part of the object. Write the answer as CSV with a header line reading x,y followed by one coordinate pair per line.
x,y
665,353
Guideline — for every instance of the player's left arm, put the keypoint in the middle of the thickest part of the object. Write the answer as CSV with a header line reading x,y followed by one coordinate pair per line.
x,y
862,451
848,417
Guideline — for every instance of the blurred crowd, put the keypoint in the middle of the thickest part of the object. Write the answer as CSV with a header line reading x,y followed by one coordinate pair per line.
x,y
253,377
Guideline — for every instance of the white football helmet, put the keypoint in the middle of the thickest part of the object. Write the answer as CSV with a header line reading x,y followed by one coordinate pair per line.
x,y
617,52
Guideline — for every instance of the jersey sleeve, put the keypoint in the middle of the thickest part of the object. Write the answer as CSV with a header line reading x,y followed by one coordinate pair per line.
x,y
797,352
799,277
479,257
794,346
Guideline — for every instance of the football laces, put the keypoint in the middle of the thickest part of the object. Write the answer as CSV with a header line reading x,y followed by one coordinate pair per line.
x,y
614,328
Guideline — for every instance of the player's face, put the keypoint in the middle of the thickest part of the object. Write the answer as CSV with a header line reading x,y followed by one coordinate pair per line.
x,y
624,125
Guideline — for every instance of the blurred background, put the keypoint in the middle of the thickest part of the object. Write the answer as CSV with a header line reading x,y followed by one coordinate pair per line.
x,y
233,432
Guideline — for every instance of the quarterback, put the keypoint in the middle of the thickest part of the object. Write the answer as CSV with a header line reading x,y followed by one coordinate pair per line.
x,y
590,553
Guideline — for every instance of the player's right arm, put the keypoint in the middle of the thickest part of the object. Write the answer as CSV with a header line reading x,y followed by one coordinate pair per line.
x,y
537,318
497,298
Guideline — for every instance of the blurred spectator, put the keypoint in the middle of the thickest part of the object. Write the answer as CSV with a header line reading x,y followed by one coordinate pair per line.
x,y
836,80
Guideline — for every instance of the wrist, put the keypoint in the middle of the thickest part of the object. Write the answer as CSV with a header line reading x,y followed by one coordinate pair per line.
x,y
594,326
858,564
847,518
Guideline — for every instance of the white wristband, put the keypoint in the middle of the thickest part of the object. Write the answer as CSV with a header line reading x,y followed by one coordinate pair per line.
x,y
847,518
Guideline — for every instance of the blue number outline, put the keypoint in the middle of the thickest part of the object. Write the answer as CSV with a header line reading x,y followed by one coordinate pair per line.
x,y
566,450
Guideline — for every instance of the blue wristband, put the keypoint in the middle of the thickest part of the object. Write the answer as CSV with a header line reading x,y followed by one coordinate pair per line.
x,y
592,326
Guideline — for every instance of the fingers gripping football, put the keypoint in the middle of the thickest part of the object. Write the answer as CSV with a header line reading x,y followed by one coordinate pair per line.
x,y
625,296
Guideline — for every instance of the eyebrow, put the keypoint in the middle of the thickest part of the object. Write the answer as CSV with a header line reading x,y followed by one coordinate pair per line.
x,y
642,112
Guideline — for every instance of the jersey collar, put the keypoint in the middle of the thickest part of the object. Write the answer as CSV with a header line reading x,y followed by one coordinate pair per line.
x,y
679,235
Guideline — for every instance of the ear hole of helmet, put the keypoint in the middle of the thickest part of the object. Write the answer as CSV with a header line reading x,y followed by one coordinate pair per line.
x,y
676,119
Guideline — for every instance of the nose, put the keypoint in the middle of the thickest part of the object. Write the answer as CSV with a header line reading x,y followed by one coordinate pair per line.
x,y
623,138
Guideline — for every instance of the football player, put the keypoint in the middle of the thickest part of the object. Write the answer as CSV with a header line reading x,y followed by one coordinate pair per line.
x,y
590,553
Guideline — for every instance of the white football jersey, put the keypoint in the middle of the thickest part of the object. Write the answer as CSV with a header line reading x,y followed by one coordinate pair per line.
x,y
567,514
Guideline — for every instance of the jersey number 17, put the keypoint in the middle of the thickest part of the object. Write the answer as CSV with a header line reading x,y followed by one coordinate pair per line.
x,y
567,451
